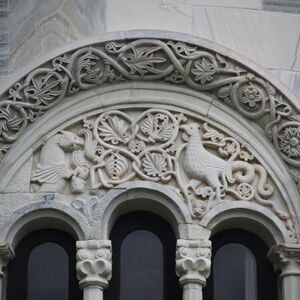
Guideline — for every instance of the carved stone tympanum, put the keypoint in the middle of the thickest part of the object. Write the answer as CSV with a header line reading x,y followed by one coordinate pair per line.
x,y
196,159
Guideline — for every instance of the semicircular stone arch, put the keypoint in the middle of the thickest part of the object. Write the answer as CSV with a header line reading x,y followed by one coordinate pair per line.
x,y
84,147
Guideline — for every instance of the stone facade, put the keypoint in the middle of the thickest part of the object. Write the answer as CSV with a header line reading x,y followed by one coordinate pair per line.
x,y
100,123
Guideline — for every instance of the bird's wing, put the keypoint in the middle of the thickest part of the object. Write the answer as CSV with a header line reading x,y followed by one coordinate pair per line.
x,y
48,173
213,161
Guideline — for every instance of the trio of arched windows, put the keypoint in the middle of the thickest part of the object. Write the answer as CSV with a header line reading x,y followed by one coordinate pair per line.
x,y
143,265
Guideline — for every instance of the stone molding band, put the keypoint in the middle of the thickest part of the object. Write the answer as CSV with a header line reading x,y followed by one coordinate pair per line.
x,y
167,61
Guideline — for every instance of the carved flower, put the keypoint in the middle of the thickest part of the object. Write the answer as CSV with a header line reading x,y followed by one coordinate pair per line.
x,y
204,71
251,96
289,141
45,90
8,120
245,191
136,146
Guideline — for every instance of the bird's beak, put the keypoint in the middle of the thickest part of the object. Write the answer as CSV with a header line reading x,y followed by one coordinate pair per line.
x,y
183,127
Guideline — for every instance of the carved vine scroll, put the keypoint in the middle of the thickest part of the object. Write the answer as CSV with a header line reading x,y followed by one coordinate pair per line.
x,y
197,160
152,60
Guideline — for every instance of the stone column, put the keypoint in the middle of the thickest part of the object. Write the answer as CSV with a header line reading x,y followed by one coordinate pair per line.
x,y
193,266
286,258
6,254
94,267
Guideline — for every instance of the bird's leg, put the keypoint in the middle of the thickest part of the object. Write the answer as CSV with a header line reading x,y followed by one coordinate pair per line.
x,y
196,186
217,197
224,186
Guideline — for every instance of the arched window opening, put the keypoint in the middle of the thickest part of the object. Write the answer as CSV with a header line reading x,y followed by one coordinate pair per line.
x,y
44,268
240,268
144,248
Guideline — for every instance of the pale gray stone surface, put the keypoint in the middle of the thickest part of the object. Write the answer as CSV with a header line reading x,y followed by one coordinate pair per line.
x,y
4,42
35,27
290,78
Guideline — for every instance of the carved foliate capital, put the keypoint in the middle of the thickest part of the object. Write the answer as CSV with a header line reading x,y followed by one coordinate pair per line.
x,y
193,261
6,254
94,263
286,258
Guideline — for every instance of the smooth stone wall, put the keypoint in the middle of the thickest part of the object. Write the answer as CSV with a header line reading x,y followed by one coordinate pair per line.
x,y
265,31
36,26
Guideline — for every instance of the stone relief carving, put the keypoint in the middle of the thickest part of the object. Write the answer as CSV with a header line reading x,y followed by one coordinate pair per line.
x,y
285,258
201,163
94,265
151,60
193,261
6,254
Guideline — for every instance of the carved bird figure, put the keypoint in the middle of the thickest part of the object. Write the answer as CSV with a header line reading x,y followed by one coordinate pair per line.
x,y
202,165
53,170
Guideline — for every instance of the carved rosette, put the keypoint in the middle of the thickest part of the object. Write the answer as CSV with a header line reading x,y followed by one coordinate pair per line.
x,y
193,261
6,254
94,265
286,258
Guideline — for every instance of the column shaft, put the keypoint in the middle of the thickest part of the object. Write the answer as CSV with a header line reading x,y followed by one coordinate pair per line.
x,y
92,293
193,266
93,267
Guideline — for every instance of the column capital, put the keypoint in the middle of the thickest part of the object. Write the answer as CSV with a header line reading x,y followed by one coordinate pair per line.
x,y
94,265
193,261
286,258
6,254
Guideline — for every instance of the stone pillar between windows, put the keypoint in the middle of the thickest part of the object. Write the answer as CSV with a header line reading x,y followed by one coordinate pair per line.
x,y
94,267
193,266
286,258
6,254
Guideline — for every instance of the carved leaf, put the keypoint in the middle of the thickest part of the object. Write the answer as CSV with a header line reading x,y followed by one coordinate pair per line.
x,y
212,134
115,131
224,92
154,164
116,166
142,61
166,132
46,89
148,125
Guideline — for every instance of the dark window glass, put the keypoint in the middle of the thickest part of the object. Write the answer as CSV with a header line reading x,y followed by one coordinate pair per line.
x,y
144,248
48,273
234,273
240,268
44,268
141,267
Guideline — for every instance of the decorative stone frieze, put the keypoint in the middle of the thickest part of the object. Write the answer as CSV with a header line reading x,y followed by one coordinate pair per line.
x,y
6,254
193,261
152,60
201,162
94,265
286,258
